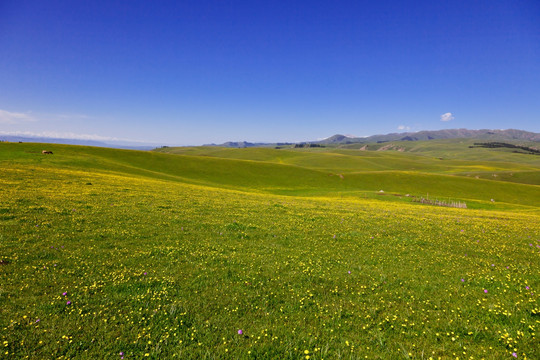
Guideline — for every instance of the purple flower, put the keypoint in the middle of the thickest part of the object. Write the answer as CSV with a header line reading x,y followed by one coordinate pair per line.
x,y
334,236
514,354
485,290
68,303
240,332
462,280
64,293
145,273
38,320
121,353
349,271
526,287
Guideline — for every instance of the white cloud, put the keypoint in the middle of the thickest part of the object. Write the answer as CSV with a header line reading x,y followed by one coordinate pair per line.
x,y
447,117
70,135
61,135
403,127
42,125
8,117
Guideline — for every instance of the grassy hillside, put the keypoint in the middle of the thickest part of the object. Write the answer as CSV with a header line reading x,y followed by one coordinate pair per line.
x,y
418,171
453,156
300,173
458,149
111,254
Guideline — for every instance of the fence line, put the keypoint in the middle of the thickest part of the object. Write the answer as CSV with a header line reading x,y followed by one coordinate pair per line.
x,y
454,204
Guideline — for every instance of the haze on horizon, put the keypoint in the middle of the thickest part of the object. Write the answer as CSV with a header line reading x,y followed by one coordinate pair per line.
x,y
195,72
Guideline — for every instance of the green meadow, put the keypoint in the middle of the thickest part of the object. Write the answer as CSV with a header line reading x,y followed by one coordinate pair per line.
x,y
263,253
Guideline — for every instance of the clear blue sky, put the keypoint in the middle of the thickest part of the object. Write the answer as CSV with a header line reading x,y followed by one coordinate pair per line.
x,y
194,72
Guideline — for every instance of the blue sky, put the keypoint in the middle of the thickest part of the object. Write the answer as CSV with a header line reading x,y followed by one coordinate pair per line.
x,y
195,72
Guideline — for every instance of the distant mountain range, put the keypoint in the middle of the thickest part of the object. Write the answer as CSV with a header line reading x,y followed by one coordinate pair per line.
x,y
510,134
484,134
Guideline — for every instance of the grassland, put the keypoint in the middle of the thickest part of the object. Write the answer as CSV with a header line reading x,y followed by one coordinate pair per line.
x,y
265,254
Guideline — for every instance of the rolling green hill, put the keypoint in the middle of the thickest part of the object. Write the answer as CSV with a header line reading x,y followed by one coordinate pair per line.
x,y
427,152
212,253
446,168
313,172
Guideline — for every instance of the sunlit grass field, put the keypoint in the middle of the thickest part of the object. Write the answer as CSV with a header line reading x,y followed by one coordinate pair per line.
x,y
111,254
